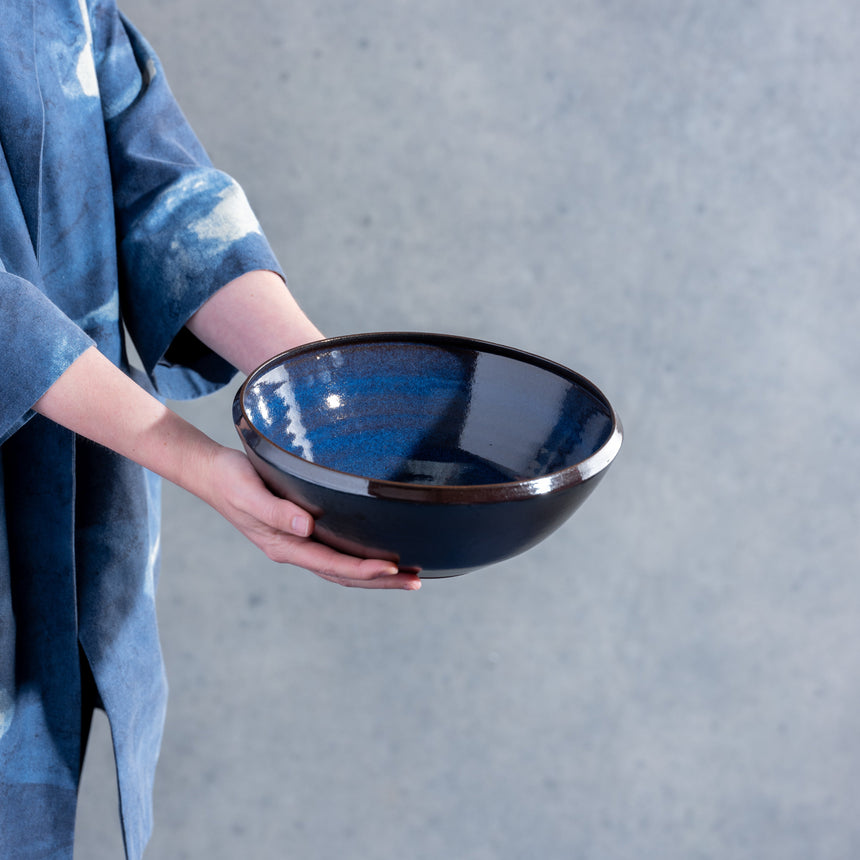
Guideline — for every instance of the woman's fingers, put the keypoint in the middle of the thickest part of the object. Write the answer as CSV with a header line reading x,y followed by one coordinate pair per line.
x,y
342,569
283,530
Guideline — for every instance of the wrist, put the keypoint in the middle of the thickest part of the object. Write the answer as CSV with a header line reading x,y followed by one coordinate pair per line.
x,y
183,455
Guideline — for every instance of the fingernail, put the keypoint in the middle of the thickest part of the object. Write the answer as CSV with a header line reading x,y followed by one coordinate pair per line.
x,y
301,526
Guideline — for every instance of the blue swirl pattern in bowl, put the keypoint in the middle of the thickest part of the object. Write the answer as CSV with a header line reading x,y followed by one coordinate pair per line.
x,y
443,453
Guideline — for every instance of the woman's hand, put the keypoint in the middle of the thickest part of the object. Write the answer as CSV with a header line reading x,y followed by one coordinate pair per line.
x,y
98,401
283,530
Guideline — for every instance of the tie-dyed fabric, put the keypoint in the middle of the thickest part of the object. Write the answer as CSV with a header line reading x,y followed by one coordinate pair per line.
x,y
112,221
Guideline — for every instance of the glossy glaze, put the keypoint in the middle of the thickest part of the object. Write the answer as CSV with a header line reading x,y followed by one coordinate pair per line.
x,y
444,453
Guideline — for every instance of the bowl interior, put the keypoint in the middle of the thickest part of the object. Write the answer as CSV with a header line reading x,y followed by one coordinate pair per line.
x,y
445,413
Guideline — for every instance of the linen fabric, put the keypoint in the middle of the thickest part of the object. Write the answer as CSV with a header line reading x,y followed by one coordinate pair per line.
x,y
113,223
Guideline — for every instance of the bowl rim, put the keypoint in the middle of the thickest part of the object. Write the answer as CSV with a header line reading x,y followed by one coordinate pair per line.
x,y
316,473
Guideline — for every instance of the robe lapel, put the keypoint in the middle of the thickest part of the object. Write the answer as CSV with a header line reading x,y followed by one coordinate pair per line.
x,y
22,116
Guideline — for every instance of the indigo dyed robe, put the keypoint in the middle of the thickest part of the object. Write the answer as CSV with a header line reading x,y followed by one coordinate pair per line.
x,y
112,221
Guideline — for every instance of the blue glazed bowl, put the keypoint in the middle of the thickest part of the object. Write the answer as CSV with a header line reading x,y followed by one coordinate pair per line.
x,y
441,453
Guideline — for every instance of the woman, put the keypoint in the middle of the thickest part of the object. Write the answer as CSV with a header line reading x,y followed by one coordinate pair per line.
x,y
113,222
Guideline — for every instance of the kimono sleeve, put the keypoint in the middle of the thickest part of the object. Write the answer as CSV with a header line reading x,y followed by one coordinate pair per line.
x,y
39,343
185,229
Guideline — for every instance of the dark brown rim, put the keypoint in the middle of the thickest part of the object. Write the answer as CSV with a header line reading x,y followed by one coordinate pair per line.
x,y
315,473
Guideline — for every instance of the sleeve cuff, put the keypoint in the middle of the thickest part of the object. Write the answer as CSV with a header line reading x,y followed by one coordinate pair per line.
x,y
196,236
39,344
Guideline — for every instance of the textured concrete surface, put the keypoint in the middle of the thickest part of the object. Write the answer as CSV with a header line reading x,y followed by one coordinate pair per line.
x,y
663,195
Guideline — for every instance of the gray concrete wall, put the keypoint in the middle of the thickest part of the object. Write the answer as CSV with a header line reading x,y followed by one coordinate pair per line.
x,y
664,196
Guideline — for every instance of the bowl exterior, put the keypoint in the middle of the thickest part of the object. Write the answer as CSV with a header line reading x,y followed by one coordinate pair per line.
x,y
437,539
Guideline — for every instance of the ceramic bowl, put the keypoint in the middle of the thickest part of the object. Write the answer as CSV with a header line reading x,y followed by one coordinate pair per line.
x,y
442,453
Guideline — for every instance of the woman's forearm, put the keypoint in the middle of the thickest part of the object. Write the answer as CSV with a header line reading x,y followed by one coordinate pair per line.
x,y
251,319
97,400
246,322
